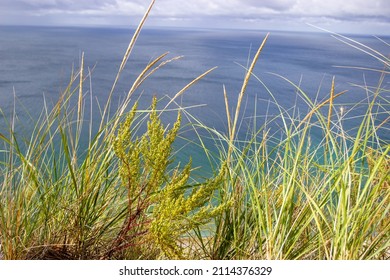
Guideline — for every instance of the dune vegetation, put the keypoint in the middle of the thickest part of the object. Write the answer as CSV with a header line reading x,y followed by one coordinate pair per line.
x,y
268,196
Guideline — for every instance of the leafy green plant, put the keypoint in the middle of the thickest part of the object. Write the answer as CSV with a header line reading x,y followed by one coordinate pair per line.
x,y
162,206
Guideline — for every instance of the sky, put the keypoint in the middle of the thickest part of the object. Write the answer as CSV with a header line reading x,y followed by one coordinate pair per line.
x,y
345,16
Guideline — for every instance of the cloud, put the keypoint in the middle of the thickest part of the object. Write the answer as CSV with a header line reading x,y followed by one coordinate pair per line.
x,y
224,12
346,8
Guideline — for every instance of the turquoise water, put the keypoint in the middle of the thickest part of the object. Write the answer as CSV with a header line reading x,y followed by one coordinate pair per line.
x,y
37,62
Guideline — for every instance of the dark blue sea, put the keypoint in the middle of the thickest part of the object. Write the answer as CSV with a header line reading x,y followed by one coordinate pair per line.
x,y
36,63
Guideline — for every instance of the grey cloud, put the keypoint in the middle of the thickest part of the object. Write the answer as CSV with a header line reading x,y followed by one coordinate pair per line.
x,y
54,4
209,7
277,5
198,11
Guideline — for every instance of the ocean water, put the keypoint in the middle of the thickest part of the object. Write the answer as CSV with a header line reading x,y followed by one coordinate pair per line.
x,y
36,62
